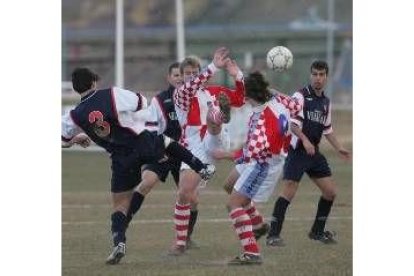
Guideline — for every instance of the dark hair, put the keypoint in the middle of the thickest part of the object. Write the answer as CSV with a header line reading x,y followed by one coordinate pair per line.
x,y
82,79
172,66
256,87
320,65
190,61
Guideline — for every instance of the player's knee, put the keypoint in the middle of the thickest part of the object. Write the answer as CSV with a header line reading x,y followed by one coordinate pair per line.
x,y
289,189
146,186
329,194
120,203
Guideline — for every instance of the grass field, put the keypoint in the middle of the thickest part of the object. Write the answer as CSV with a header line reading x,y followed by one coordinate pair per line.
x,y
86,235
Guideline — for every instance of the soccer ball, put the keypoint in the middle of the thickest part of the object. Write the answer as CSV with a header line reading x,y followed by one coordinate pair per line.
x,y
279,58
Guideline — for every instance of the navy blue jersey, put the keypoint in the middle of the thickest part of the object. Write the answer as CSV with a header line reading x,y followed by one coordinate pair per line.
x,y
97,116
165,100
316,111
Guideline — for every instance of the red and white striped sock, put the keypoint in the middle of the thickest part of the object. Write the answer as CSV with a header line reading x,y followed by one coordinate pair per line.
x,y
255,216
243,227
181,220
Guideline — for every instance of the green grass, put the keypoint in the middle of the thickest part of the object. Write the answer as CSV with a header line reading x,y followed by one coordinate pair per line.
x,y
86,234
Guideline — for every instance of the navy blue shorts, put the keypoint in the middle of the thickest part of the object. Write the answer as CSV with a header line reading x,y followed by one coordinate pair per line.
x,y
298,162
126,166
162,169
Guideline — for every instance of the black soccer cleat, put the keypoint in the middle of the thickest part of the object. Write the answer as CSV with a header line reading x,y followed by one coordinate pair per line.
x,y
260,232
275,241
246,259
326,237
117,254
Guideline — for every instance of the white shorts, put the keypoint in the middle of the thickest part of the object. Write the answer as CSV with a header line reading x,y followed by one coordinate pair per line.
x,y
258,181
203,150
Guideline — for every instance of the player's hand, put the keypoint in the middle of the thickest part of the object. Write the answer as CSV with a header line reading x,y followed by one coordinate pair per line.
x,y
310,149
345,154
220,154
232,68
221,57
82,140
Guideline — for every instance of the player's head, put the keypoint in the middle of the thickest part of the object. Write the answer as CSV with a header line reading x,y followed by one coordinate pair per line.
x,y
257,88
319,74
190,67
83,79
174,76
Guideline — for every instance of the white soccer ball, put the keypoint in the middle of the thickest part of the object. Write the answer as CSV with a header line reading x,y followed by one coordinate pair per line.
x,y
279,59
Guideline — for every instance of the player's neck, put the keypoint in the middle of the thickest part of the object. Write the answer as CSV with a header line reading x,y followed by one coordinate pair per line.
x,y
87,92
318,92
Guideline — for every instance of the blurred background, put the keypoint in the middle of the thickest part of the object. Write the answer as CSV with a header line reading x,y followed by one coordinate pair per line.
x,y
310,29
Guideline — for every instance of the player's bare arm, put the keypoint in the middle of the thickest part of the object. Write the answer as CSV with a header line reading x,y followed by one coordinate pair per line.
x,y
344,153
310,149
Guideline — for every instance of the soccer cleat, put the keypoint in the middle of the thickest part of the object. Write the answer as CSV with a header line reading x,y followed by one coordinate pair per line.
x,y
263,230
275,241
207,172
117,254
224,103
326,237
177,250
191,244
246,259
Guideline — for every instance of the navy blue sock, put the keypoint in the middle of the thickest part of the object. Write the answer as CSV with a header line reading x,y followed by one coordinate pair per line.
x,y
118,227
324,208
278,216
135,205
180,153
192,222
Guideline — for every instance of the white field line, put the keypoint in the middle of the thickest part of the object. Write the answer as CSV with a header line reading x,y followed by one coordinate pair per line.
x,y
170,221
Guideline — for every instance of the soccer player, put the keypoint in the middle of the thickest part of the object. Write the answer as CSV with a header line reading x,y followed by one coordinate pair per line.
x,y
308,126
259,164
201,110
115,119
162,106
265,190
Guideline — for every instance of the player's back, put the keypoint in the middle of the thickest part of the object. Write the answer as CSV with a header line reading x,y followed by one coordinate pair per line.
x,y
97,116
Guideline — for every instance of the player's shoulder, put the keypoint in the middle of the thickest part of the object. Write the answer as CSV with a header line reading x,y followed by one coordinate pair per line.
x,y
166,95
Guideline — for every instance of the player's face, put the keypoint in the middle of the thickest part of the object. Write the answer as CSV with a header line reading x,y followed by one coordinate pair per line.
x,y
174,78
318,79
190,72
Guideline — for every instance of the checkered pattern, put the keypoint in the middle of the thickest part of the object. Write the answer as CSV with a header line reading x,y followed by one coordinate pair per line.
x,y
257,146
291,104
184,94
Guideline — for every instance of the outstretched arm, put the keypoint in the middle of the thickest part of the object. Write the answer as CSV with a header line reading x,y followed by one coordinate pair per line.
x,y
184,94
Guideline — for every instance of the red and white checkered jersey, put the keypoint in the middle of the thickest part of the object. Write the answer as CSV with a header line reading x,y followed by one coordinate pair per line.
x,y
131,109
268,131
192,100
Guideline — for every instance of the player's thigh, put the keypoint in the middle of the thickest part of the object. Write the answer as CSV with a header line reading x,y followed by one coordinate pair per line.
x,y
149,180
160,170
269,184
189,181
319,168
251,178
126,173
296,164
